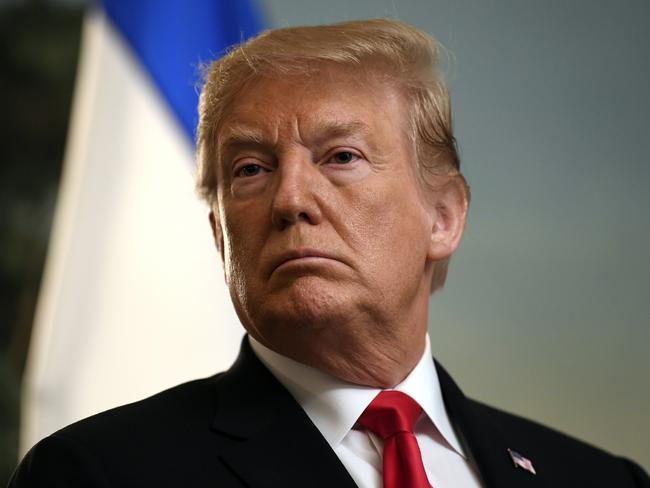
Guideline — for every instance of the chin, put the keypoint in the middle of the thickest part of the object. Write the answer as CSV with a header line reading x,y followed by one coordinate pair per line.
x,y
307,303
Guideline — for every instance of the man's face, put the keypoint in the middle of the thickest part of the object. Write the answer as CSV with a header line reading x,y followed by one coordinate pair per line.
x,y
323,227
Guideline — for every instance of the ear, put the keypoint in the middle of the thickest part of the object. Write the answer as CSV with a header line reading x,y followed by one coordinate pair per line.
x,y
449,212
217,233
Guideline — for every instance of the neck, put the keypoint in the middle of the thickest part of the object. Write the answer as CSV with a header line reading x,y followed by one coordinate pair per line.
x,y
379,361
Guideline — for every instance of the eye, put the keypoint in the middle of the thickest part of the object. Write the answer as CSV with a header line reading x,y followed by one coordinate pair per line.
x,y
344,157
249,170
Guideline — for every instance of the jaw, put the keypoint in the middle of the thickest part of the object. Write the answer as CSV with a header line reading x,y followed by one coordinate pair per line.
x,y
362,358
356,341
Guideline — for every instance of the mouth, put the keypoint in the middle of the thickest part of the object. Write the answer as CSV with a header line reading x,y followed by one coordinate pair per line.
x,y
302,256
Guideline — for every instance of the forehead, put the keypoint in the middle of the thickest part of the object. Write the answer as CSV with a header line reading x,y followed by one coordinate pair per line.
x,y
334,100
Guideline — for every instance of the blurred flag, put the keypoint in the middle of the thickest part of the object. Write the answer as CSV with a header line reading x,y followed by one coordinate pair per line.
x,y
133,299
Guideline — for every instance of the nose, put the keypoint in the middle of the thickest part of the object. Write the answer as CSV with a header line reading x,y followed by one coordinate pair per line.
x,y
295,197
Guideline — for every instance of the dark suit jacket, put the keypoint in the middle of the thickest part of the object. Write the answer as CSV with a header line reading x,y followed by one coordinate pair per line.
x,y
242,428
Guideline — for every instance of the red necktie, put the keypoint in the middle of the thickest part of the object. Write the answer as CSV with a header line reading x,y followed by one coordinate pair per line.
x,y
391,416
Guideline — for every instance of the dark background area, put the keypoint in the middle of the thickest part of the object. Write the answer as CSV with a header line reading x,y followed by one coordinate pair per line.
x,y
39,44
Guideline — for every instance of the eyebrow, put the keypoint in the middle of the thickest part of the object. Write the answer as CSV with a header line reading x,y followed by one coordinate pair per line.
x,y
241,135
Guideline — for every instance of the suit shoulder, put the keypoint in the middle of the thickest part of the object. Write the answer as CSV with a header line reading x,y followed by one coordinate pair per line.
x,y
164,408
522,429
553,450
58,461
151,442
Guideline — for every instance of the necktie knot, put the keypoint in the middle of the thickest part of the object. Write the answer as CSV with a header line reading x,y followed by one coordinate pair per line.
x,y
389,413
391,416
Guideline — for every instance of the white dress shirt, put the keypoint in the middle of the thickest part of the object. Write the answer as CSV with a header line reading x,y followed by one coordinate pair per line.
x,y
334,407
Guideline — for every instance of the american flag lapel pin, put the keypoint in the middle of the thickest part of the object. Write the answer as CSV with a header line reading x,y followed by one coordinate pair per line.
x,y
521,462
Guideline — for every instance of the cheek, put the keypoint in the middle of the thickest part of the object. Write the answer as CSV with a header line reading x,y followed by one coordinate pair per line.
x,y
388,225
394,214
239,252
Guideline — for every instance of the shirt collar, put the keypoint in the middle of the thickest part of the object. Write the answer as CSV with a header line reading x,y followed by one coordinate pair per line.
x,y
334,405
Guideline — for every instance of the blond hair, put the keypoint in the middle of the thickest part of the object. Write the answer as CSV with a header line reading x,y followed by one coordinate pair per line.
x,y
398,53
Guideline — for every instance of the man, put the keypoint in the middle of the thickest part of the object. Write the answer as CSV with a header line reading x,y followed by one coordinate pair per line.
x,y
327,158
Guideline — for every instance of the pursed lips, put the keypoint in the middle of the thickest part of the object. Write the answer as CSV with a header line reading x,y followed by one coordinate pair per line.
x,y
298,254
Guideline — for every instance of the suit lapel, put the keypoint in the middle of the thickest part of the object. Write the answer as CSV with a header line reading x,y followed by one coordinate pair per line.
x,y
267,438
488,445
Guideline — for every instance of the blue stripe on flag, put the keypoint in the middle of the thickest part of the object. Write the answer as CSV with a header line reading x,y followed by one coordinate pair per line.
x,y
172,38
